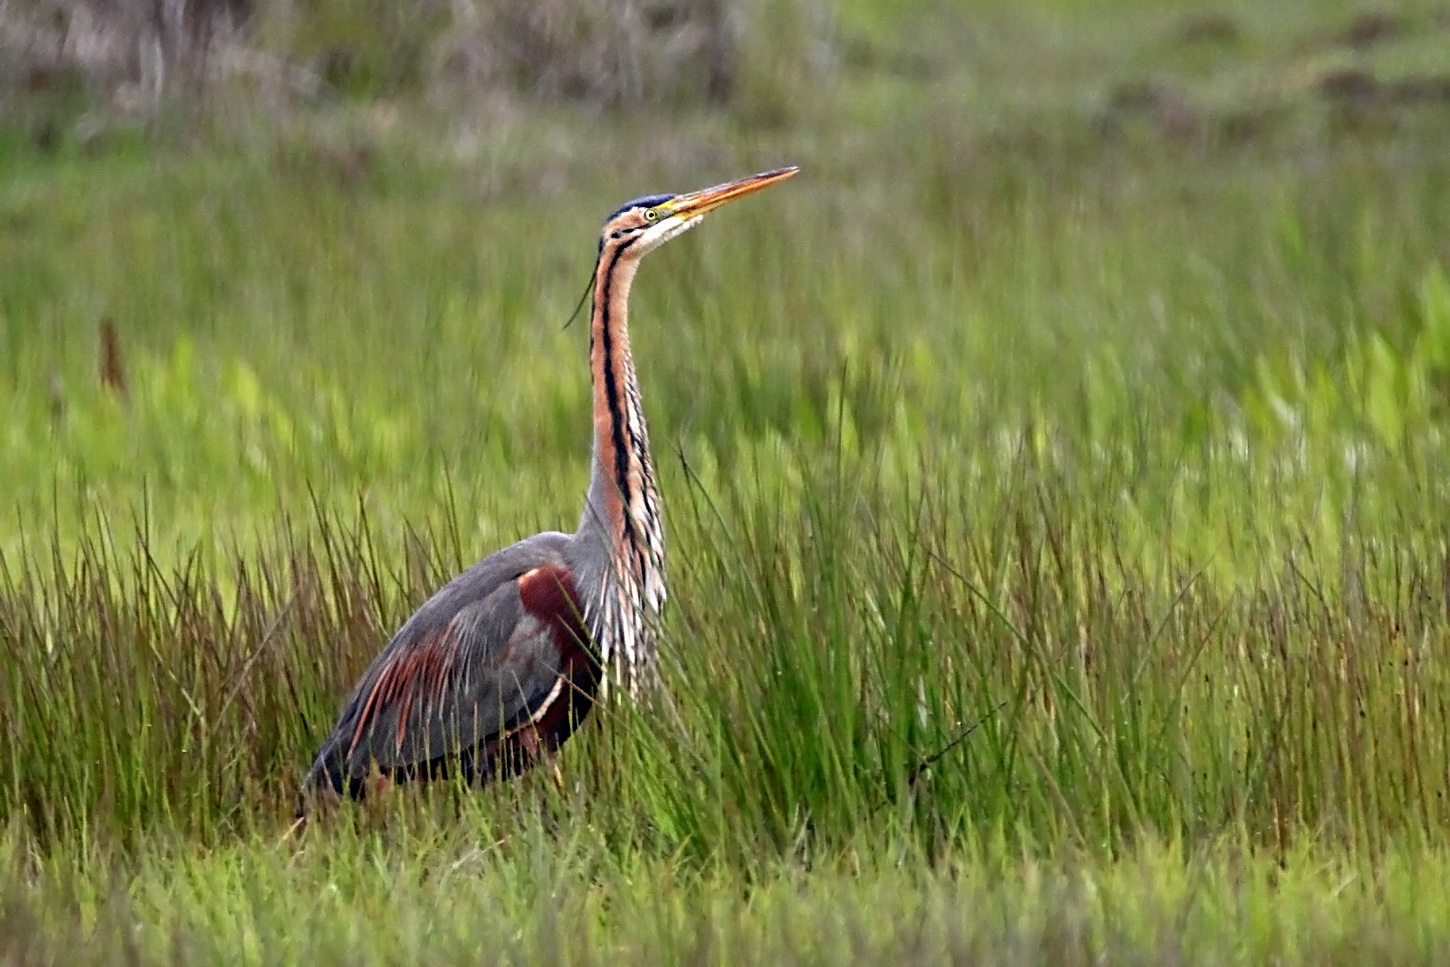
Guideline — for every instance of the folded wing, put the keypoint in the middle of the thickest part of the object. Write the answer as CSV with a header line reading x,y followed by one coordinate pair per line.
x,y
492,671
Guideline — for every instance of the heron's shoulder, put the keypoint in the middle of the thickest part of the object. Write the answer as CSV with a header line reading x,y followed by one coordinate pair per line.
x,y
500,568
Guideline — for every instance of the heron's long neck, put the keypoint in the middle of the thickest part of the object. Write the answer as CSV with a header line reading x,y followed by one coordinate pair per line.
x,y
623,506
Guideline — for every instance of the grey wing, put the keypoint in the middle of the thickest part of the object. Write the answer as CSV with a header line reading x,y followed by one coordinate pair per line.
x,y
471,663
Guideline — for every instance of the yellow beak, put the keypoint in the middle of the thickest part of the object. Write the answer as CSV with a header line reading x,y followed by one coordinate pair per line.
x,y
697,203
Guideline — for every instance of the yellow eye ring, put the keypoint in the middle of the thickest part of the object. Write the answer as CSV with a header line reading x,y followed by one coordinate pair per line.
x,y
650,215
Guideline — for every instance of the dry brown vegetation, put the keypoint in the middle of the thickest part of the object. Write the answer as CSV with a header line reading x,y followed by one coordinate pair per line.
x,y
141,52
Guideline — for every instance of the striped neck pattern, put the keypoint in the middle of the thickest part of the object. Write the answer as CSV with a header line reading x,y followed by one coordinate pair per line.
x,y
623,500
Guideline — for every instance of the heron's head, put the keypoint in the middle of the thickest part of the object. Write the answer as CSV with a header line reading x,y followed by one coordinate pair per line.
x,y
647,223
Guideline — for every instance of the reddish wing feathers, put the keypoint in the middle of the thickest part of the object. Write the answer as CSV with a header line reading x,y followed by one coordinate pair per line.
x,y
426,667
487,684
548,594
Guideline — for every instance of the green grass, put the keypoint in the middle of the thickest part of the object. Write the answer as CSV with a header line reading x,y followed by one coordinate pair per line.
x,y
449,896
1054,489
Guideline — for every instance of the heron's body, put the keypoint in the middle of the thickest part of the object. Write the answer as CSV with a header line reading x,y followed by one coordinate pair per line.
x,y
501,665
471,683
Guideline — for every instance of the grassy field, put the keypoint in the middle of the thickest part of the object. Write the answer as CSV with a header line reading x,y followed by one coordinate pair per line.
x,y
1054,477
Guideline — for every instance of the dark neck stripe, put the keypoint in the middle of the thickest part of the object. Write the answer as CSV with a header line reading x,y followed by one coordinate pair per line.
x,y
624,442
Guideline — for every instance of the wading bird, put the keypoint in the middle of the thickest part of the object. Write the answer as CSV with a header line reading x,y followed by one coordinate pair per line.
x,y
500,666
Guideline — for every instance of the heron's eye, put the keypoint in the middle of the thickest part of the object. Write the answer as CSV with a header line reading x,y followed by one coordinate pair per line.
x,y
651,215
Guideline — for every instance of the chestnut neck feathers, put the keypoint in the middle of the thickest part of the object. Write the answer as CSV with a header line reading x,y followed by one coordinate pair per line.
x,y
622,513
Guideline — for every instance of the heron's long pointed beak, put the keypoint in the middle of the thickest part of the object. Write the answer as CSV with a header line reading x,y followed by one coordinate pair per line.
x,y
697,203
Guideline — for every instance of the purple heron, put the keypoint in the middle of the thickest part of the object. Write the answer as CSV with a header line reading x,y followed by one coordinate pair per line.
x,y
500,666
